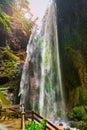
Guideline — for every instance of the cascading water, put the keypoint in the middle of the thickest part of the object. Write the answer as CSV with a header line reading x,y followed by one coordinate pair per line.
x,y
51,92
24,85
43,53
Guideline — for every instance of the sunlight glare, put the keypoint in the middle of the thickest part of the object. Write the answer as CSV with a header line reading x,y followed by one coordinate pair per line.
x,y
38,7
27,16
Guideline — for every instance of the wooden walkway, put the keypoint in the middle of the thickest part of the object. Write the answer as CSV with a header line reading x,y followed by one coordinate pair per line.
x,y
19,112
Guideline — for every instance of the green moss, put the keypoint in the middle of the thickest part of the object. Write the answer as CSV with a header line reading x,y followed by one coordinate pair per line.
x,y
84,118
4,86
79,112
83,126
82,95
8,68
70,98
77,96
8,63
8,55
75,74
5,20
3,99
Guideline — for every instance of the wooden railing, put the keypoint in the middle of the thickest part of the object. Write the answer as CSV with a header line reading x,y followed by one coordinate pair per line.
x,y
11,106
36,117
31,115
4,111
3,89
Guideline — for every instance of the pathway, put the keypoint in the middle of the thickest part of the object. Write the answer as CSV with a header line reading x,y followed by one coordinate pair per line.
x,y
10,124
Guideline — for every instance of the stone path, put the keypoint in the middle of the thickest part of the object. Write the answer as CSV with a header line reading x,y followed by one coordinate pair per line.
x,y
10,124
3,127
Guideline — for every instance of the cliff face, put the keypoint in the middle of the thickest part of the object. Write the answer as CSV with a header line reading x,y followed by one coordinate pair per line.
x,y
72,27
72,30
14,35
18,37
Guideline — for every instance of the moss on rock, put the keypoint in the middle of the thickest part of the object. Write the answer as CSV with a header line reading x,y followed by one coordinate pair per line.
x,y
3,99
8,64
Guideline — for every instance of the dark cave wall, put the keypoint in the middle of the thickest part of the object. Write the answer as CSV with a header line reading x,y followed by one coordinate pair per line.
x,y
72,32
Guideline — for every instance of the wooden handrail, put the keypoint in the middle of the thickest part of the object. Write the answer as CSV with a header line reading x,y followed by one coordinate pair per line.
x,y
31,115
10,106
3,89
22,118
38,118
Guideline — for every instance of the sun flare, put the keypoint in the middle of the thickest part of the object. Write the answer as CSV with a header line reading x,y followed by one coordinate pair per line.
x,y
38,7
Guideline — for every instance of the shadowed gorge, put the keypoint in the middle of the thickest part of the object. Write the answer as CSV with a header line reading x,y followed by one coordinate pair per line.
x,y
45,65
72,32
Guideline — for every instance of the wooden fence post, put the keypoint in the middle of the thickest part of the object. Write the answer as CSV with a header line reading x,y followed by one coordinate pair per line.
x,y
0,109
32,115
22,118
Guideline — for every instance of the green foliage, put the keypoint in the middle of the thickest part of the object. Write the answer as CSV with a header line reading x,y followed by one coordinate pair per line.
x,y
84,118
3,99
9,68
82,95
75,74
4,86
5,20
79,112
79,96
35,126
8,63
72,33
81,125
8,55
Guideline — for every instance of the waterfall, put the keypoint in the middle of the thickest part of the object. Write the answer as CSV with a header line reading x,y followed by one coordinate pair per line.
x,y
51,91
24,85
43,52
